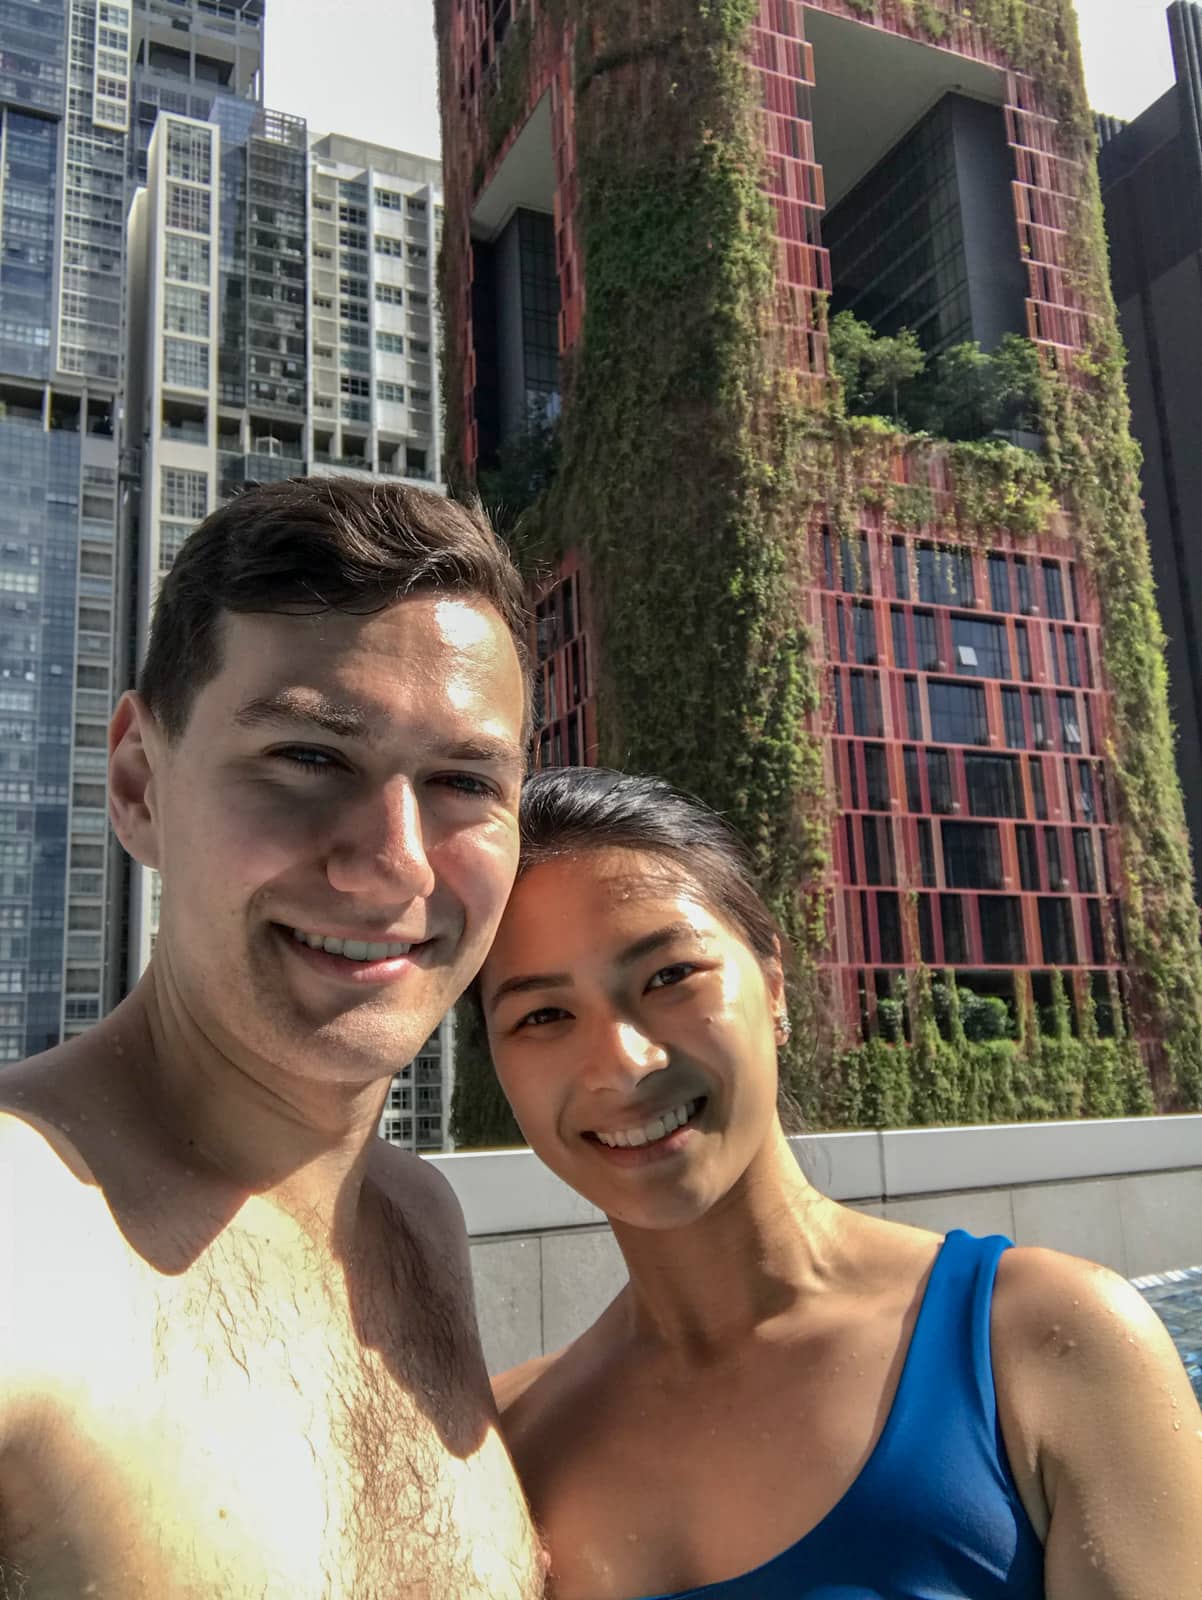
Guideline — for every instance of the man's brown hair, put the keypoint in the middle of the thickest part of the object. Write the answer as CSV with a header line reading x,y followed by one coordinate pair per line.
x,y
311,545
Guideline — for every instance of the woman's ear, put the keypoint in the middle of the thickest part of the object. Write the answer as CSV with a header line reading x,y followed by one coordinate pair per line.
x,y
135,745
774,976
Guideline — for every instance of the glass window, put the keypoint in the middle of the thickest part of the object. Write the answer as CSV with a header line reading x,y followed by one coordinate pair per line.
x,y
390,344
957,712
1012,712
186,260
1097,939
1039,727
913,784
951,916
1024,652
994,786
837,688
1022,574
901,570
186,310
866,715
876,777
926,930
1083,853
853,556
1072,659
184,494
1070,731
864,621
187,208
872,850
980,648
999,583
901,644
1051,851
1056,932
1053,587
888,923
926,852
189,153
1028,857
913,709
185,363
1001,930
1038,791
926,649
944,576
972,855
939,781
1085,790
828,560
849,828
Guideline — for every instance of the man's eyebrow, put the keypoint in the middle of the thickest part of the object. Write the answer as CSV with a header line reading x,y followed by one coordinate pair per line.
x,y
627,957
483,751
344,721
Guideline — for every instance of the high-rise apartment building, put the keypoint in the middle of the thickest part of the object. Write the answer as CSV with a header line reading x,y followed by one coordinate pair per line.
x,y
376,228
923,676
281,321
1151,172
65,105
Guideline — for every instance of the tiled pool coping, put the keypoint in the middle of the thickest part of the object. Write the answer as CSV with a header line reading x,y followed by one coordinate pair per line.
x,y
1177,1299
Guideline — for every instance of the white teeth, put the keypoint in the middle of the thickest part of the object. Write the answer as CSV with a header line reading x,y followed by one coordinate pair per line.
x,y
651,1132
352,949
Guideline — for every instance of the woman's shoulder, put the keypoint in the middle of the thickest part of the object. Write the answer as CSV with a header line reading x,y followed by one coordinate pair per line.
x,y
511,1386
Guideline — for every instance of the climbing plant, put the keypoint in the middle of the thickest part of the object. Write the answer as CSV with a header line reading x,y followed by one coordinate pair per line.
x,y
692,469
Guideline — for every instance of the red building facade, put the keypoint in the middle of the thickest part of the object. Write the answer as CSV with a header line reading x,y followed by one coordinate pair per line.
x,y
967,717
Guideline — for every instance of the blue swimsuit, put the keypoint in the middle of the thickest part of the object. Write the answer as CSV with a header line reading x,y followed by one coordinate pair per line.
x,y
934,1514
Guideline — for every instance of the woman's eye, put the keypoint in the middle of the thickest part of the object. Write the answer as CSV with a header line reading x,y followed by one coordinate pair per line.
x,y
545,1014
667,977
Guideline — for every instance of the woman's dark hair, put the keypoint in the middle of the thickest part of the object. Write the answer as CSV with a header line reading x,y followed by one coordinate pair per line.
x,y
311,545
568,810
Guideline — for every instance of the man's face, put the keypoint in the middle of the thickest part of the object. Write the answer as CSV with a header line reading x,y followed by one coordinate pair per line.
x,y
345,787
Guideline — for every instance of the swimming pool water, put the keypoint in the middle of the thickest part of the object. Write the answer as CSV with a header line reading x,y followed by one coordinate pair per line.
x,y
1177,1297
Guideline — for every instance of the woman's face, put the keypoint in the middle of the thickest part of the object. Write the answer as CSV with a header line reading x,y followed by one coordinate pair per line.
x,y
633,1032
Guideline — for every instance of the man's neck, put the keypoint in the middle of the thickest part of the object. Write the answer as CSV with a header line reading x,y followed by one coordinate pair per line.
x,y
300,1143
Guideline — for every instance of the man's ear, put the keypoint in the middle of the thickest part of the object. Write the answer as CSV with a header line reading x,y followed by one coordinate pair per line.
x,y
136,745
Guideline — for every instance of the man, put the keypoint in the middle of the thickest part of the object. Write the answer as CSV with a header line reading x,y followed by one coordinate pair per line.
x,y
238,1356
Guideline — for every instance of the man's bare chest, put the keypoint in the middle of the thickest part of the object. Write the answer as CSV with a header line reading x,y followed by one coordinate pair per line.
x,y
251,1429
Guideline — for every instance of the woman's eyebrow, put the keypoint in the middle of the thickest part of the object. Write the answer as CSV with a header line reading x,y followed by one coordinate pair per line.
x,y
522,985
627,957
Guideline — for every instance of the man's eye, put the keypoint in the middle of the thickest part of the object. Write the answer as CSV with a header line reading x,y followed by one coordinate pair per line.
x,y
467,783
305,759
668,977
544,1014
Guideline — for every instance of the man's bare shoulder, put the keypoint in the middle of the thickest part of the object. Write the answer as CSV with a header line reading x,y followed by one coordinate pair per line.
x,y
37,1155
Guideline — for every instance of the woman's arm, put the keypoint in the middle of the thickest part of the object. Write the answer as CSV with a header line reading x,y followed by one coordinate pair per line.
x,y
1089,1377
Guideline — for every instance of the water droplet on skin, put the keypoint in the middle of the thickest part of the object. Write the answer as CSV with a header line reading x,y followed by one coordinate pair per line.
x,y
1177,1427
632,1538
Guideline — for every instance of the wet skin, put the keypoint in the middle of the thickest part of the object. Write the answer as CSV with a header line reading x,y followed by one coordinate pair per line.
x,y
242,1359
736,1387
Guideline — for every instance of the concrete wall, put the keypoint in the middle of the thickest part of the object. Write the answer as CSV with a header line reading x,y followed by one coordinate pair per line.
x,y
1126,1193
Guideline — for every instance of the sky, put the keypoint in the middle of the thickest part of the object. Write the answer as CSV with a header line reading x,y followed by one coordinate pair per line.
x,y
375,77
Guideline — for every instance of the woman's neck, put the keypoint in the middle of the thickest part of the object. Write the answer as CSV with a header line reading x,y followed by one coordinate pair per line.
x,y
770,1243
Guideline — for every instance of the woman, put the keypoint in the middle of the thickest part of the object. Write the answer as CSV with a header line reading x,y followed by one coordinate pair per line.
x,y
789,1399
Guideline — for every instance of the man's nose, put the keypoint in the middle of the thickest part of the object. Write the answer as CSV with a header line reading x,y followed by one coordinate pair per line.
x,y
379,842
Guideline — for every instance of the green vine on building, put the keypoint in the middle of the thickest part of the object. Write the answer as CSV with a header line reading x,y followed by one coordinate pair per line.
x,y
692,471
